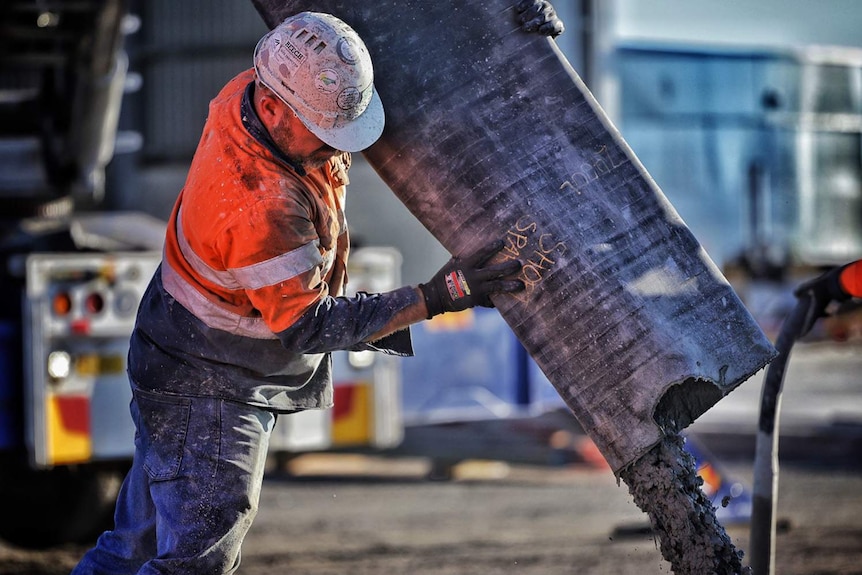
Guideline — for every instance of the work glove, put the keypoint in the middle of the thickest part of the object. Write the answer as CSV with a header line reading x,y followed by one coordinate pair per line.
x,y
539,16
466,282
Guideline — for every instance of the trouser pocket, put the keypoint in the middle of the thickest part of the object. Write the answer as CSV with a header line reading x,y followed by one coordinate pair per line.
x,y
163,422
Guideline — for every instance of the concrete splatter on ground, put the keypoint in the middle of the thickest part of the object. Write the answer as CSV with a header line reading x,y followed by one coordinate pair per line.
x,y
664,483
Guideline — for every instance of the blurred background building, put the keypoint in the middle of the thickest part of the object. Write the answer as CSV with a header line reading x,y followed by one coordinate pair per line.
x,y
748,116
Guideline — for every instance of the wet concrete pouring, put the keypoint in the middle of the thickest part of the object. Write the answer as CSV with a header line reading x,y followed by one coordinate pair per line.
x,y
664,483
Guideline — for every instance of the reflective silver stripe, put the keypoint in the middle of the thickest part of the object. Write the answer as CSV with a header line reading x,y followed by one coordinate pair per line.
x,y
211,313
280,268
270,272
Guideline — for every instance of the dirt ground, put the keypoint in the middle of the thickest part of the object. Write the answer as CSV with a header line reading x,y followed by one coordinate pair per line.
x,y
372,515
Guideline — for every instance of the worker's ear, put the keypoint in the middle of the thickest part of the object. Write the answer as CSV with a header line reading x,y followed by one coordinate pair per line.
x,y
269,107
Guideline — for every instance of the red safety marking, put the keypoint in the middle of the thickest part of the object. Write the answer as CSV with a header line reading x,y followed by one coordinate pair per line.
x,y
80,326
74,413
343,398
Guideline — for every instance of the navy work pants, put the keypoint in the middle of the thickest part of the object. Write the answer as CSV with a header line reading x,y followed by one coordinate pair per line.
x,y
193,489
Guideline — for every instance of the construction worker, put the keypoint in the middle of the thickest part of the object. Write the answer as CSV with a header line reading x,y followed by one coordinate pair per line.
x,y
238,322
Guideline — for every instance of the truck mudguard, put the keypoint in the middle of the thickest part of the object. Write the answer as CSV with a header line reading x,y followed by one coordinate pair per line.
x,y
491,134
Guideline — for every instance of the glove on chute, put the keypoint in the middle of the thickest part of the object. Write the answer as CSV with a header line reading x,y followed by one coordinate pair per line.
x,y
467,282
539,16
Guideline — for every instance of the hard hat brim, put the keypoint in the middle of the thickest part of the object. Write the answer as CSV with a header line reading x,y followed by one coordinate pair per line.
x,y
357,134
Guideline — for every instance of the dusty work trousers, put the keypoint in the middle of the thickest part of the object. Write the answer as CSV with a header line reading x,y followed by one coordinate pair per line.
x,y
192,492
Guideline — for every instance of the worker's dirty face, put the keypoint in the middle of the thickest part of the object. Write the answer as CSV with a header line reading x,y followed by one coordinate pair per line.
x,y
300,145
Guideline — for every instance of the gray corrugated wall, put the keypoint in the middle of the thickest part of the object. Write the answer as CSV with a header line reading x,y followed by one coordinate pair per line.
x,y
189,50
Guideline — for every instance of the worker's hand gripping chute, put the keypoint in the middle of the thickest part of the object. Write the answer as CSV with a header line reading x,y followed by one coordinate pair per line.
x,y
469,281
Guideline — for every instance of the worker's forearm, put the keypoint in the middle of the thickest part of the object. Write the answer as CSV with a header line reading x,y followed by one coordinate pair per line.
x,y
414,313
343,322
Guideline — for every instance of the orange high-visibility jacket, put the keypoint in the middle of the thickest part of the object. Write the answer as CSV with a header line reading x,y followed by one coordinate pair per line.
x,y
248,300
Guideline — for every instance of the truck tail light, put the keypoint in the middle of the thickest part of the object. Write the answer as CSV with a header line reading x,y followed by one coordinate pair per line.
x,y
94,303
61,304
360,359
850,279
59,364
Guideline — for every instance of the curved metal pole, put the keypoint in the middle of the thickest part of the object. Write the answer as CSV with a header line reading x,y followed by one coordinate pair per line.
x,y
838,284
763,520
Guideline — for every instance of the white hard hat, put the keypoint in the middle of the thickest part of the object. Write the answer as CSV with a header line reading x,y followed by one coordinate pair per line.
x,y
320,67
